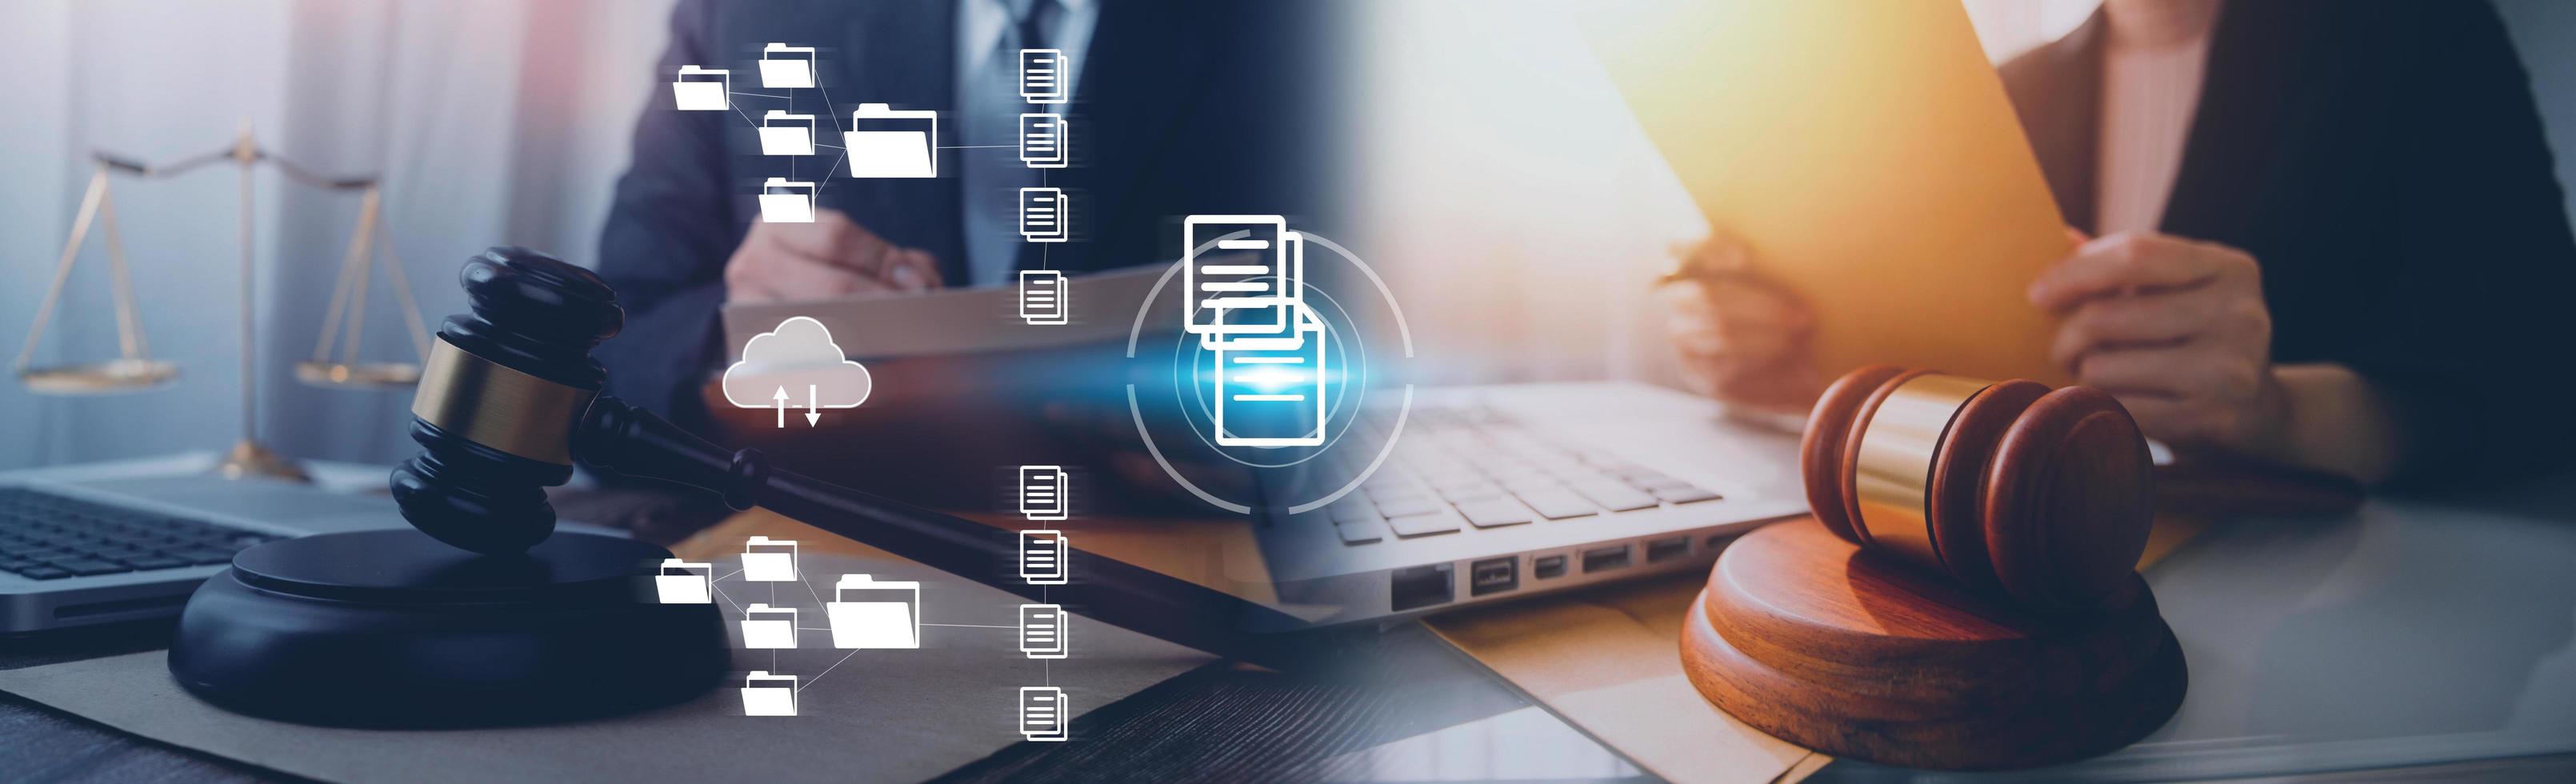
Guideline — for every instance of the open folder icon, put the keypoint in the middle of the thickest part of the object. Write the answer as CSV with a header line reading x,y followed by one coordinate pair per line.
x,y
702,89
786,202
764,626
786,66
885,142
766,560
786,134
868,613
764,694
681,582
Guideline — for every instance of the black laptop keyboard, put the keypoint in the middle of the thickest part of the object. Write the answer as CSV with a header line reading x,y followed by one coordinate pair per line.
x,y
1470,467
46,536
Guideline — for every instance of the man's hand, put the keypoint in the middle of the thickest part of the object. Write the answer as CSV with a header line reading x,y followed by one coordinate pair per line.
x,y
2178,331
831,257
1742,339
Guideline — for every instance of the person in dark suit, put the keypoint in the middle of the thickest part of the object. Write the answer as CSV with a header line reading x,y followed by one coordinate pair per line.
x,y
1178,107
2323,234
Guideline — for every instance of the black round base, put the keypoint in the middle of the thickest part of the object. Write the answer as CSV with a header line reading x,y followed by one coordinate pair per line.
x,y
394,629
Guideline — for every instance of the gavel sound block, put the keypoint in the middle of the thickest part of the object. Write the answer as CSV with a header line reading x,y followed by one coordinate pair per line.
x,y
1966,597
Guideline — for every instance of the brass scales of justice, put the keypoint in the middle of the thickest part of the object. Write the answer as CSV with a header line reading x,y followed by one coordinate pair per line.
x,y
135,369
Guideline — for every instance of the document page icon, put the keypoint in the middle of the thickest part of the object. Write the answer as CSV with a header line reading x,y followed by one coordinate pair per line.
x,y
1042,296
1042,557
1242,278
1042,713
869,613
1042,631
885,142
1042,493
1274,397
1042,214
1042,75
1042,141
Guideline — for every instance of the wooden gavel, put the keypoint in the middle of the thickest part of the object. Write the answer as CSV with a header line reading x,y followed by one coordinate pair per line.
x,y
2043,497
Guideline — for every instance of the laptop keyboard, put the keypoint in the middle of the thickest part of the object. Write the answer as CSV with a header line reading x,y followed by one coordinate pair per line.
x,y
1494,472
46,536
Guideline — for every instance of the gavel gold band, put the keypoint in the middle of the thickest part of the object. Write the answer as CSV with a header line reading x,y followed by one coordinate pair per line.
x,y
1893,475
494,405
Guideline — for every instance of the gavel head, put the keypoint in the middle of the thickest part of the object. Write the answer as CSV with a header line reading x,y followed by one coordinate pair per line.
x,y
499,397
2044,497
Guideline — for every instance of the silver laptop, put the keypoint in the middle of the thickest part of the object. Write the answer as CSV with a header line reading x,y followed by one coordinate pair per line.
x,y
80,552
1494,493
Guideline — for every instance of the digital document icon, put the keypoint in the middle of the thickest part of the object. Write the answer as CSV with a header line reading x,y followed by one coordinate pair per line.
x,y
1042,297
796,366
766,627
681,582
1042,493
1042,557
764,694
1042,141
782,201
1273,397
868,613
1043,214
698,89
887,142
1042,631
1042,713
1042,75
786,134
766,560
786,66
1242,279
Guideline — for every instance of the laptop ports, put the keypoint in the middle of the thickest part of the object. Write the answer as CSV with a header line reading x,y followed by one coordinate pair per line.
x,y
1493,575
1547,566
1421,586
1602,559
1661,550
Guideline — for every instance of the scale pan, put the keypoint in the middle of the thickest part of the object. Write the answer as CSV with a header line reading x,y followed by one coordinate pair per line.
x,y
358,374
115,375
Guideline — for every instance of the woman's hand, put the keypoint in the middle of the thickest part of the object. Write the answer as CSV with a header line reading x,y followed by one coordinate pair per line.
x,y
1742,339
2177,330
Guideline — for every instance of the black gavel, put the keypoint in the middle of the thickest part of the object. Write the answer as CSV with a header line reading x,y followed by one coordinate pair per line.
x,y
510,400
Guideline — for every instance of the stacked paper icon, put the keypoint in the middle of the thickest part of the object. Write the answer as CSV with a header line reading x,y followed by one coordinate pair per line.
x,y
1245,275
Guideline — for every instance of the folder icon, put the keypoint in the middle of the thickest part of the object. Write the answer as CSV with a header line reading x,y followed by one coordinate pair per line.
x,y
764,694
886,142
766,560
764,626
786,202
786,66
868,613
677,583
702,89
786,134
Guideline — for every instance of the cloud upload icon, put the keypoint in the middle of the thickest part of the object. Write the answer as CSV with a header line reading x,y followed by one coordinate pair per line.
x,y
795,366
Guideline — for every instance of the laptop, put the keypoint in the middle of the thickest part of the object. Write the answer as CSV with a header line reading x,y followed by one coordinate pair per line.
x,y
1495,493
77,552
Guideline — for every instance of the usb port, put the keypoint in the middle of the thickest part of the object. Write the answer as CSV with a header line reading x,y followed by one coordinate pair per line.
x,y
1547,566
1421,586
1493,575
1600,559
1661,550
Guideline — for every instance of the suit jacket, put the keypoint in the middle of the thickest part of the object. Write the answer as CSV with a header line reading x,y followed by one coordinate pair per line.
x,y
2384,162
1182,107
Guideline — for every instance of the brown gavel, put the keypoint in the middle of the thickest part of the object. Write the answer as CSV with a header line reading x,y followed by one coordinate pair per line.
x,y
2043,497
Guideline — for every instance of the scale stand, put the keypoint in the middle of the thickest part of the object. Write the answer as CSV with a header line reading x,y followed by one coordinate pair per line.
x,y
135,369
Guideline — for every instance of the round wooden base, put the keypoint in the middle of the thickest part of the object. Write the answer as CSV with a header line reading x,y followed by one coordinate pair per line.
x,y
1804,636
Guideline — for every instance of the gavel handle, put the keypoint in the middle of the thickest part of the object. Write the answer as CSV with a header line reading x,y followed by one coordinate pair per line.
x,y
634,442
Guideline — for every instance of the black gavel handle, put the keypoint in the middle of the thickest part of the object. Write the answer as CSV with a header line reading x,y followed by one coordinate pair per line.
x,y
632,441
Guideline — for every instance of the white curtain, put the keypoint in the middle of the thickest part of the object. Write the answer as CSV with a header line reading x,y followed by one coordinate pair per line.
x,y
489,121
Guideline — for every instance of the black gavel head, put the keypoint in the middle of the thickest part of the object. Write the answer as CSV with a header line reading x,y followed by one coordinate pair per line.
x,y
2042,496
499,397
